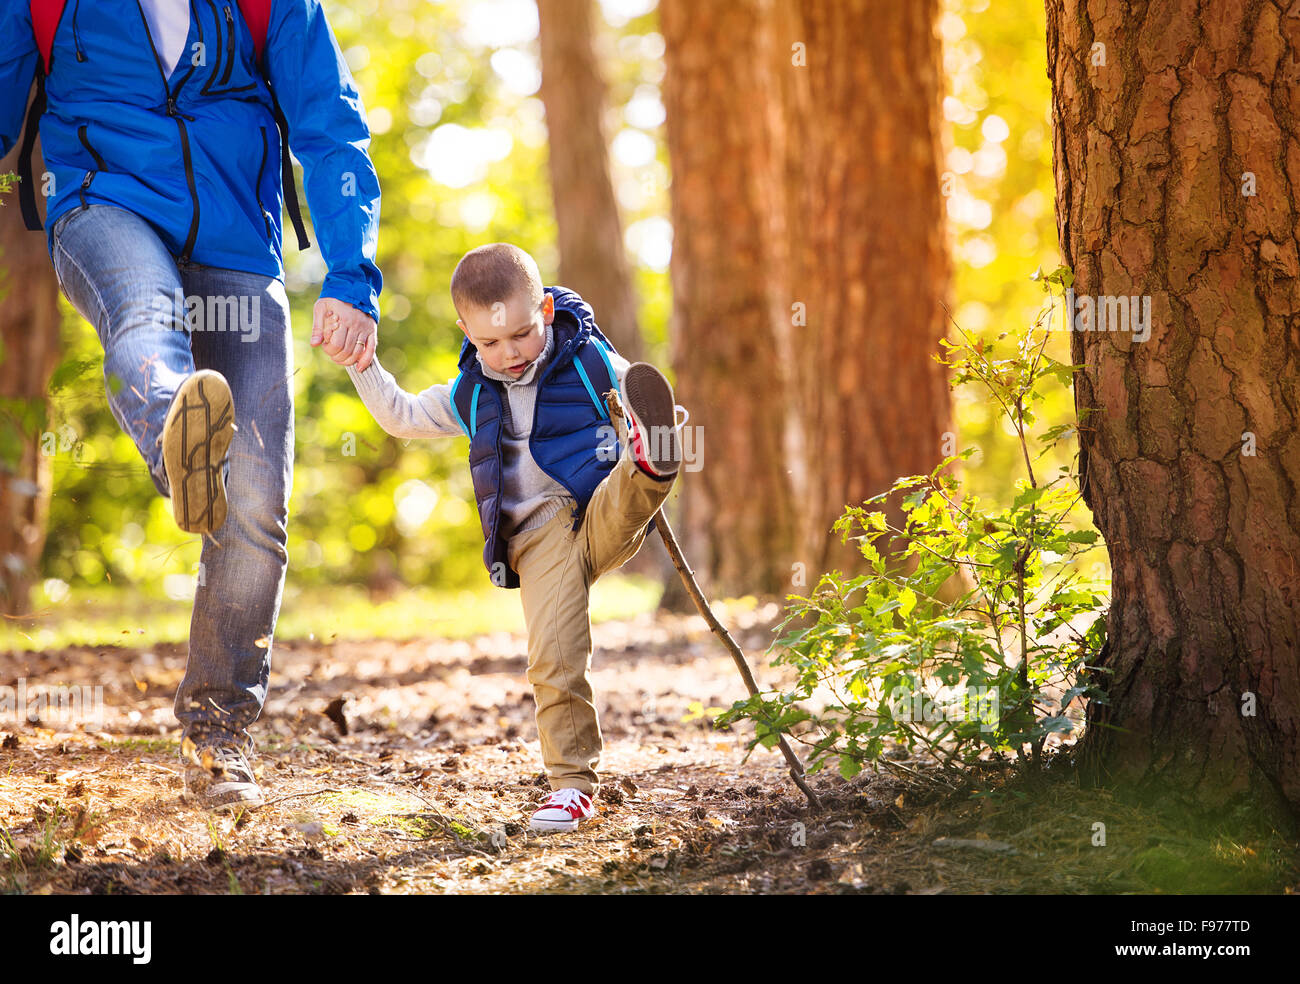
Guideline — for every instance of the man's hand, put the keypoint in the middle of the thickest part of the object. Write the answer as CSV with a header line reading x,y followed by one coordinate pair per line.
x,y
349,336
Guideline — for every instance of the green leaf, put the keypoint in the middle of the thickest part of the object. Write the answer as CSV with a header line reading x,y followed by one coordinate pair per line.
x,y
1029,496
906,601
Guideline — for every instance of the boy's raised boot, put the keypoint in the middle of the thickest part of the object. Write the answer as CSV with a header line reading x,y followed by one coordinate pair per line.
x,y
652,427
561,811
196,439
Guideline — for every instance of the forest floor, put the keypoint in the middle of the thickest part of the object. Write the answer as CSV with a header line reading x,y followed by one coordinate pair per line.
x,y
430,789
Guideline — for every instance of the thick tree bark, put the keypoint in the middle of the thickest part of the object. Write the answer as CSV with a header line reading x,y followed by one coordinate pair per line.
x,y
29,351
593,260
870,261
1178,169
730,317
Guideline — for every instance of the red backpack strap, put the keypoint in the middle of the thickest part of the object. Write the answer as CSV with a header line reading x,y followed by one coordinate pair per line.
x,y
45,21
257,15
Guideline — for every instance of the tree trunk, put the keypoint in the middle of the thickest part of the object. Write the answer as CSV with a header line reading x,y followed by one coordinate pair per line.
x,y
730,320
593,260
809,263
870,262
29,351
1177,167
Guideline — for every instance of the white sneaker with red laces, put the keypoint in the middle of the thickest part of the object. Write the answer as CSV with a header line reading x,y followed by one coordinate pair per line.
x,y
561,811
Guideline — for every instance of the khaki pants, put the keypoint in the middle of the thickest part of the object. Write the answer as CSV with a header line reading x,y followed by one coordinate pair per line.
x,y
557,567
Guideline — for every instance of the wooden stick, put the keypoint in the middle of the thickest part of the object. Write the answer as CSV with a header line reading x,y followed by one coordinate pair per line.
x,y
797,771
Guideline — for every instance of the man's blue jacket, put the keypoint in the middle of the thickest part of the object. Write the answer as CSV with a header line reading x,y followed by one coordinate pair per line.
x,y
197,154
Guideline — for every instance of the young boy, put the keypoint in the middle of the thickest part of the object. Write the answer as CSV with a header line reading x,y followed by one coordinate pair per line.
x,y
559,504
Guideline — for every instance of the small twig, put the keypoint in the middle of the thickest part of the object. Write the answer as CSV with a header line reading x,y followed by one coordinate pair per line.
x,y
314,792
337,754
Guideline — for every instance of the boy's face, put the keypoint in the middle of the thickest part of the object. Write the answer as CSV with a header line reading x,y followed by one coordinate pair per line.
x,y
511,334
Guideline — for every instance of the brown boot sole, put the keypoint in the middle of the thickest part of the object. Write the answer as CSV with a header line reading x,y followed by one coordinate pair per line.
x,y
196,438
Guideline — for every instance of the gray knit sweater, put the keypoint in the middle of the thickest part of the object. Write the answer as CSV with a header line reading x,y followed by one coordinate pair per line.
x,y
530,497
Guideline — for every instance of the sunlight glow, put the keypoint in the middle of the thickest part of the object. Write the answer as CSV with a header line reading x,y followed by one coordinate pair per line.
x,y
456,156
651,240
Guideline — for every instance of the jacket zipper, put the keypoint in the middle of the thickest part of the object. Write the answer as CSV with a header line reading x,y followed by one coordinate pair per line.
x,y
218,81
99,163
221,56
180,119
230,48
261,169
550,371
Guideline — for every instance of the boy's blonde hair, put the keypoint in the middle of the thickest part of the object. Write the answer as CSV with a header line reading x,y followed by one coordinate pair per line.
x,y
492,273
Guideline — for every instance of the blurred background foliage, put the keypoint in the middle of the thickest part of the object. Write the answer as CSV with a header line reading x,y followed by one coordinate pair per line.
x,y
460,144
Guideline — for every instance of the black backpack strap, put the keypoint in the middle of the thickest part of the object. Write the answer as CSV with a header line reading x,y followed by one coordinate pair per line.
x,y
257,17
26,189
286,172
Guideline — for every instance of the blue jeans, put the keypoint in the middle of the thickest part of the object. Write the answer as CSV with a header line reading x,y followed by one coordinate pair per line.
x,y
159,321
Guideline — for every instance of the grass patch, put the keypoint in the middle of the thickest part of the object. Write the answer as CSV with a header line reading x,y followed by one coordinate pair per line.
x,y
142,746
130,617
361,802
390,812
423,827
22,863
1071,840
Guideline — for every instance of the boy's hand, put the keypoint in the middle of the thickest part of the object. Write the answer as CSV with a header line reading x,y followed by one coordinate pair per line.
x,y
349,336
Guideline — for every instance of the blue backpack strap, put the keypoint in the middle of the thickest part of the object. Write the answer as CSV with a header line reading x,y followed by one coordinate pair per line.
x,y
473,409
594,367
463,403
604,348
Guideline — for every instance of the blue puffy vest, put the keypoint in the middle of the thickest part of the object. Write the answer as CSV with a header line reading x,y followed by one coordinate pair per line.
x,y
572,440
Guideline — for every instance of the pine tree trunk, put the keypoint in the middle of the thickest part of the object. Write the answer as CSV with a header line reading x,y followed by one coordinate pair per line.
x,y
1177,168
29,351
870,262
593,260
809,263
725,133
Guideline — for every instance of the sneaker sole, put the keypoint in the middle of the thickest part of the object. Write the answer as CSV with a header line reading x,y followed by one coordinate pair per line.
x,y
196,438
235,801
553,826
219,797
648,400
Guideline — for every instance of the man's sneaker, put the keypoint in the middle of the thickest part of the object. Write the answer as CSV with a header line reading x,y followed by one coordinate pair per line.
x,y
562,811
195,440
219,777
652,427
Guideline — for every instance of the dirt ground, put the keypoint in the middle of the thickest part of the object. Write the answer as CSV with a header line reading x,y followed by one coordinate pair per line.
x,y
430,789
